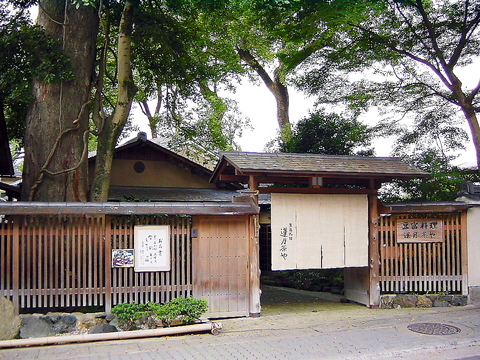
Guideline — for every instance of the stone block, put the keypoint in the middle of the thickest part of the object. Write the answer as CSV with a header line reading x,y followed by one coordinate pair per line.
x,y
405,301
386,301
424,302
474,294
10,323
34,326
102,328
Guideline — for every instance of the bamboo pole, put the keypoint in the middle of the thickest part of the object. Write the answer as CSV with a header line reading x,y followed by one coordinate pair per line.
x,y
121,335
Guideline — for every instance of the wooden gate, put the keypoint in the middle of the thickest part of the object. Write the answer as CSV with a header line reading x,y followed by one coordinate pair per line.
x,y
221,263
424,267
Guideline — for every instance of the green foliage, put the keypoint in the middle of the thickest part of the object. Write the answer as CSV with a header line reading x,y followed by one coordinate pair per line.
x,y
188,310
27,53
430,144
442,185
320,279
329,134
406,58
128,314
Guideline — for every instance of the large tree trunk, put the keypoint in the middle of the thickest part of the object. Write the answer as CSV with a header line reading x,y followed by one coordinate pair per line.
x,y
276,86
57,121
112,126
153,119
475,132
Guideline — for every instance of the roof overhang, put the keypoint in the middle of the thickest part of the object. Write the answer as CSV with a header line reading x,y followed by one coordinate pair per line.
x,y
240,207
13,192
300,168
427,207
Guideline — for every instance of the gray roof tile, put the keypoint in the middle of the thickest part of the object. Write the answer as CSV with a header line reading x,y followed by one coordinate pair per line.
x,y
325,164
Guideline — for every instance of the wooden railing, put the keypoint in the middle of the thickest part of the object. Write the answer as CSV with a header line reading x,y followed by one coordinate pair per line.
x,y
58,261
424,267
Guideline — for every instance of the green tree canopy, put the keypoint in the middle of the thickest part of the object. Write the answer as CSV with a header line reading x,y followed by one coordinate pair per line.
x,y
329,134
415,51
27,52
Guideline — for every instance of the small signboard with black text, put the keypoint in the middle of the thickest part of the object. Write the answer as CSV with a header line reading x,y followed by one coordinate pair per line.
x,y
419,230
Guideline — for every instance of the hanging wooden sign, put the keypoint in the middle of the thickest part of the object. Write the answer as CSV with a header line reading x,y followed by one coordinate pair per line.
x,y
419,230
152,248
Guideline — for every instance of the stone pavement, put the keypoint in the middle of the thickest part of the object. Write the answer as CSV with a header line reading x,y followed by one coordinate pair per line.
x,y
297,325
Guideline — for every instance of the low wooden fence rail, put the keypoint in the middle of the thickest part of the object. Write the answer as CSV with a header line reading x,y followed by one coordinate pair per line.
x,y
65,261
424,267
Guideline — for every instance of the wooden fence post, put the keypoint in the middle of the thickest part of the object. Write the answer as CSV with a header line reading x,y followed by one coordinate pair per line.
x,y
373,251
254,260
464,251
16,264
108,263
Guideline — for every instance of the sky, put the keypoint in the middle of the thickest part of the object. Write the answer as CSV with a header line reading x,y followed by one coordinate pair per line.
x,y
258,104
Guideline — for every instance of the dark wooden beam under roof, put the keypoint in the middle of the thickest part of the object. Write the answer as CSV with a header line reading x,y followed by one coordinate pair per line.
x,y
430,207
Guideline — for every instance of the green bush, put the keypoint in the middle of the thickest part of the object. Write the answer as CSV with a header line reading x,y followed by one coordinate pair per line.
x,y
187,310
128,314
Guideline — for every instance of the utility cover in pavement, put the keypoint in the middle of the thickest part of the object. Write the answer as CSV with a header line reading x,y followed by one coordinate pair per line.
x,y
434,329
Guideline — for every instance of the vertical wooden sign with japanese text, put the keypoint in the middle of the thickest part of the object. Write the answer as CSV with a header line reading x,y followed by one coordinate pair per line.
x,y
152,248
319,231
419,230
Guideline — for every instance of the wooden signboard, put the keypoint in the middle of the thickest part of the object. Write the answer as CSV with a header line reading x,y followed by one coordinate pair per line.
x,y
419,230
152,248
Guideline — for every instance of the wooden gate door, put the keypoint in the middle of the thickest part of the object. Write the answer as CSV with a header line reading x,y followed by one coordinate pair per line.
x,y
220,264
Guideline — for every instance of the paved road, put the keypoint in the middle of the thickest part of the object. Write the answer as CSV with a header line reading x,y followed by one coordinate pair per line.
x,y
321,330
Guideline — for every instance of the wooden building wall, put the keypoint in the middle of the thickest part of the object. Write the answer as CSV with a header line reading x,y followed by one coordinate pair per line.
x,y
155,173
58,262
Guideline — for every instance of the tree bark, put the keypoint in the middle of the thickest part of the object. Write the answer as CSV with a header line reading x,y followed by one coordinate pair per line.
x,y
113,125
57,120
276,86
153,119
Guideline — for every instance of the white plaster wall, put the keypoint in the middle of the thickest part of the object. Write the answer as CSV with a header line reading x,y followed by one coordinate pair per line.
x,y
473,234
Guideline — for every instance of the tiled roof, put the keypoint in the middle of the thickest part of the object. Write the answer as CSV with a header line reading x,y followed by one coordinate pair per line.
x,y
322,164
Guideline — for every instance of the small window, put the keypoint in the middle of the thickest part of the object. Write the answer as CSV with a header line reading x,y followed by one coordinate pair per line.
x,y
139,167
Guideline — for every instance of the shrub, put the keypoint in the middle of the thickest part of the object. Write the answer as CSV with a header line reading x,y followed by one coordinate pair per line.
x,y
128,314
188,310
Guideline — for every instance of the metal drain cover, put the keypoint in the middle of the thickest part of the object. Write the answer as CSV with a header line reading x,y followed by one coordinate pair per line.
x,y
434,329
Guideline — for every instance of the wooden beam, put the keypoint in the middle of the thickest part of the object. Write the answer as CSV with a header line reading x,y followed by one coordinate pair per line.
x,y
128,208
254,253
428,208
294,190
233,178
253,186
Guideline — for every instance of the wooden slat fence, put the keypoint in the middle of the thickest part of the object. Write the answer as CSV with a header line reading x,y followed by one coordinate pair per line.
x,y
429,267
142,287
63,261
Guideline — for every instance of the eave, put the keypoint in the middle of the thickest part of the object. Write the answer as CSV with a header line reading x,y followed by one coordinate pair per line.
x,y
127,208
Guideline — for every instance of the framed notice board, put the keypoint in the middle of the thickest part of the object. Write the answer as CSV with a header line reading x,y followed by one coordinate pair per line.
x,y
152,248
